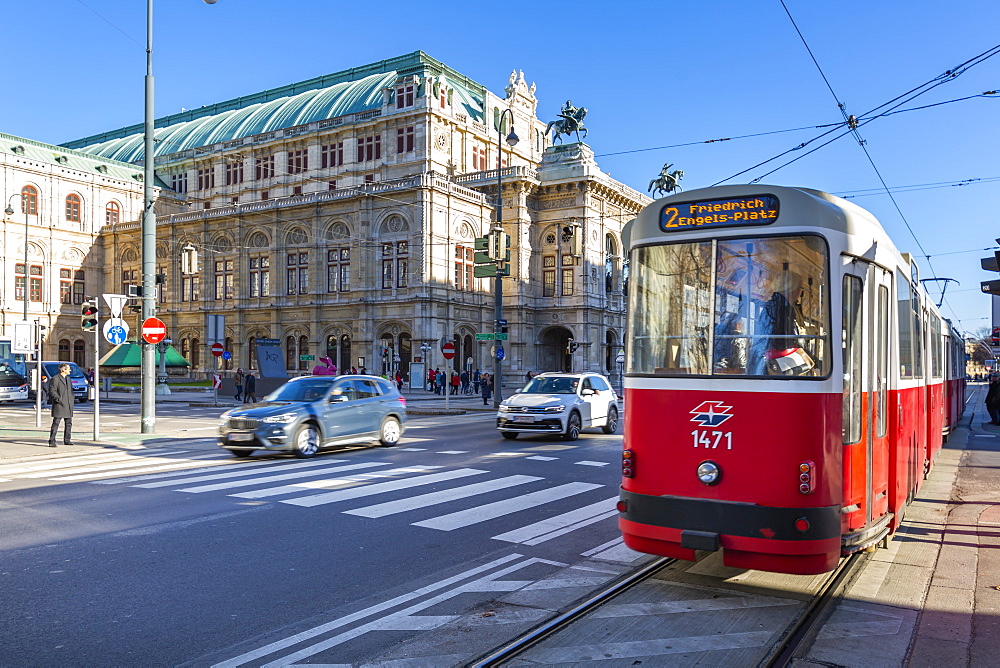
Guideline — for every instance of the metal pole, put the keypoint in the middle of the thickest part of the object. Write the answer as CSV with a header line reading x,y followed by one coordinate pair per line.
x,y
24,207
38,367
97,379
148,379
498,281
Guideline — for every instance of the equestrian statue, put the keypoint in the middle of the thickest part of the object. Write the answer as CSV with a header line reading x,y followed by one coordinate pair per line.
x,y
570,121
667,182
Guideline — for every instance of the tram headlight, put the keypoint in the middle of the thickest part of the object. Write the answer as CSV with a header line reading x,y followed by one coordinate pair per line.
x,y
709,472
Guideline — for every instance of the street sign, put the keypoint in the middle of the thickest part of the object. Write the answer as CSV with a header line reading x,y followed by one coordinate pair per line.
x,y
115,303
490,270
500,354
217,349
484,337
115,331
306,358
620,358
24,336
448,350
153,330
500,336
227,356
215,328
502,322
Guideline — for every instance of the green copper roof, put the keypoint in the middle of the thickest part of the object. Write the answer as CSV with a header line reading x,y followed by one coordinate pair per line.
x,y
351,91
37,151
130,354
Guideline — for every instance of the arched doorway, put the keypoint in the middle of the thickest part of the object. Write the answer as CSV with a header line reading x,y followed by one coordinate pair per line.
x,y
553,353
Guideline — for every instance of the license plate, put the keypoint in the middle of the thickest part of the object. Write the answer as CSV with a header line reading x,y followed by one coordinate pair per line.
x,y
524,418
241,437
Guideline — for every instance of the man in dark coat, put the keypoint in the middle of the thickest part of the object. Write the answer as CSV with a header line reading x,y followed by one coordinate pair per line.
x,y
61,396
993,399
250,389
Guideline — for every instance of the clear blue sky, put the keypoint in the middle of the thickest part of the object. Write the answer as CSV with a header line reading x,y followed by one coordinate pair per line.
x,y
652,74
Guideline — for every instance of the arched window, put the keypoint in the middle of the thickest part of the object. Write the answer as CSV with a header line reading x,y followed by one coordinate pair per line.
x,y
195,353
185,348
303,350
80,354
405,353
610,263
29,200
227,364
345,353
73,208
63,349
252,353
290,352
112,213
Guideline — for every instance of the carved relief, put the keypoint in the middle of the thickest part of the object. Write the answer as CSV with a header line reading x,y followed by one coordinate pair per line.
x,y
562,202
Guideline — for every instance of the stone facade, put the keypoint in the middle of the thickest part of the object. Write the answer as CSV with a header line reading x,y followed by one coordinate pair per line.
x,y
351,235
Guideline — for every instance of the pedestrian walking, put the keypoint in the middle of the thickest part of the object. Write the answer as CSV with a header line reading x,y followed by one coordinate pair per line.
x,y
250,388
993,399
454,382
61,396
238,379
487,383
430,381
465,382
477,377
440,382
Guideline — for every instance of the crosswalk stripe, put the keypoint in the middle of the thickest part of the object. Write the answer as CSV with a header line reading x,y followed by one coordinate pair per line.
x,y
189,463
332,482
553,527
67,461
444,496
586,463
237,474
126,461
369,490
539,458
491,511
228,462
246,482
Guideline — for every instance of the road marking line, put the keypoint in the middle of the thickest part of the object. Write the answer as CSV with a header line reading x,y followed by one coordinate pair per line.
x,y
585,463
228,462
121,461
453,452
236,474
444,496
491,511
327,483
370,490
539,458
329,468
553,527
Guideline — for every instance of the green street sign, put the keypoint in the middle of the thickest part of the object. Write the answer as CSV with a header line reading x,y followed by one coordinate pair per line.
x,y
500,336
306,358
482,258
481,244
486,337
490,270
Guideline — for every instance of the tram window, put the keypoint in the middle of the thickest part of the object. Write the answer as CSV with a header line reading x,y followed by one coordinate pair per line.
x,y
905,320
852,348
768,309
936,343
882,371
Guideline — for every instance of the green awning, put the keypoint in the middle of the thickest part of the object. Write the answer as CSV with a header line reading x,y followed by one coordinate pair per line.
x,y
130,354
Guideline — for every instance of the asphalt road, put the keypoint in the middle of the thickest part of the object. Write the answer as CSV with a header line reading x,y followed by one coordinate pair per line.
x,y
433,551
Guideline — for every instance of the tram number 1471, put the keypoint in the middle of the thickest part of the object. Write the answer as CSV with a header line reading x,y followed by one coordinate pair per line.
x,y
712,439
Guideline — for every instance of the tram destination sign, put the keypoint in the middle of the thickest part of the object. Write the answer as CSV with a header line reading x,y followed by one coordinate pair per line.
x,y
735,211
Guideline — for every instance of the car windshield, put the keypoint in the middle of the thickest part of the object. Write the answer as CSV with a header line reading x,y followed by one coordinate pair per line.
x,y
300,390
552,385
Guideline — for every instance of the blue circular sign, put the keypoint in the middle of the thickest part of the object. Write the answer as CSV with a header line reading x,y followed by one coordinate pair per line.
x,y
115,331
500,353
226,355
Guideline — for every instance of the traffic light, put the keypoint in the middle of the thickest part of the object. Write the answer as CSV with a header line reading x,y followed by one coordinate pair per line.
x,y
499,245
571,346
88,316
572,234
991,264
189,260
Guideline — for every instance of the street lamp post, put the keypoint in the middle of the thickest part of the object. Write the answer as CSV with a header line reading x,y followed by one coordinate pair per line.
x,y
10,212
148,234
425,348
512,140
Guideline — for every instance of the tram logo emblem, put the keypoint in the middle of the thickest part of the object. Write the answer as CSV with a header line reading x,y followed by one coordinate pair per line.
x,y
711,413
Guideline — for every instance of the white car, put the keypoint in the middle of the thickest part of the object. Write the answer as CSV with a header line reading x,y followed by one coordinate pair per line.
x,y
560,403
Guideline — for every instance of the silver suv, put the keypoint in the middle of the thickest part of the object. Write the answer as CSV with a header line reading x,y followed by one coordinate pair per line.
x,y
560,403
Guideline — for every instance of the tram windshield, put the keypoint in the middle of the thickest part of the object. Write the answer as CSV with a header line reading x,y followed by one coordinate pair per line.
x,y
736,307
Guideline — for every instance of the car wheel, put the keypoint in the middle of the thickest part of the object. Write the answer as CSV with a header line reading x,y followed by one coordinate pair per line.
x,y
306,441
389,432
572,427
509,435
241,453
611,426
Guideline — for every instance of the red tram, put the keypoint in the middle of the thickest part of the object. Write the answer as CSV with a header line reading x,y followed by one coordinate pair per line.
x,y
788,381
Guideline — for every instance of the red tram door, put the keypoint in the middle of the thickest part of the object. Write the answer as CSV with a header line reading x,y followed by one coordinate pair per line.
x,y
866,320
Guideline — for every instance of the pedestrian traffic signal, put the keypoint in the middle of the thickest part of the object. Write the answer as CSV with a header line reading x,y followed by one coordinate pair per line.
x,y
88,316
991,264
571,346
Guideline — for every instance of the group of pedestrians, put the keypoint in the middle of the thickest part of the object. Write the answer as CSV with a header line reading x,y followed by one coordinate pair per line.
x,y
246,386
469,383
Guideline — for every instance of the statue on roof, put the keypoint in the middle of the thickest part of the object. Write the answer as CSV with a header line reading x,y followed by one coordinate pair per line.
x,y
570,121
667,182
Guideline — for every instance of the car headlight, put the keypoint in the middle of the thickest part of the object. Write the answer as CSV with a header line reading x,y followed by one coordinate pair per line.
x,y
504,408
283,418
555,409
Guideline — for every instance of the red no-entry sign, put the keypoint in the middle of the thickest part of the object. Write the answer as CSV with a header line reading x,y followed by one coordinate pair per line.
x,y
153,330
217,349
448,350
